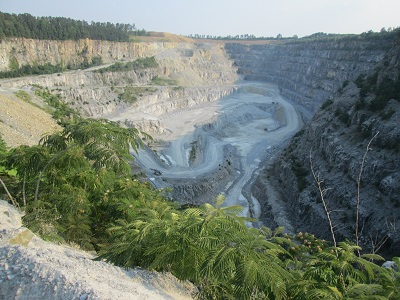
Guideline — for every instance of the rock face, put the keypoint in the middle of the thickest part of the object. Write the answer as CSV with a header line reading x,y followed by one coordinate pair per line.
x,y
197,73
31,268
308,72
337,139
31,52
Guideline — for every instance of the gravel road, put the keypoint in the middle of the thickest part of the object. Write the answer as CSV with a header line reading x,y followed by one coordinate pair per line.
x,y
255,119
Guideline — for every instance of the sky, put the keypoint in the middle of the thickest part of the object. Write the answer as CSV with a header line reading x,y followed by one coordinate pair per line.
x,y
266,18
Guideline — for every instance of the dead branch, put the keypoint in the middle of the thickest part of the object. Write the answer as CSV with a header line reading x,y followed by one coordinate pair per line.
x,y
8,193
359,188
322,193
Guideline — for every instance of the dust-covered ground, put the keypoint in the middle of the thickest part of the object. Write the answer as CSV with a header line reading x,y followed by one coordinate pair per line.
x,y
255,120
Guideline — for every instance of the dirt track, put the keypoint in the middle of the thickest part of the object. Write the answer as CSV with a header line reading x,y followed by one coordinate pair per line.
x,y
255,120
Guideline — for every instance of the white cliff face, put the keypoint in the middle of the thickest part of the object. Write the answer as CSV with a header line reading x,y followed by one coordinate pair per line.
x,y
309,72
31,52
198,73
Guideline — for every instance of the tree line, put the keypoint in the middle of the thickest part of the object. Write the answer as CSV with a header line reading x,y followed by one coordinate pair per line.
x,y
383,34
140,63
28,70
60,28
238,37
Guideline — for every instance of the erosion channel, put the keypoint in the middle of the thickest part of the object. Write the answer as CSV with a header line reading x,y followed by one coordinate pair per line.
x,y
217,147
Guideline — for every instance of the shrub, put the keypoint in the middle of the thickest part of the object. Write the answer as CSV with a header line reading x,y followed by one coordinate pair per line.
x,y
385,115
326,104
138,64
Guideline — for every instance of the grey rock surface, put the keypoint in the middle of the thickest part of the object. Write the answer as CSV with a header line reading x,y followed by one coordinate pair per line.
x,y
337,139
308,72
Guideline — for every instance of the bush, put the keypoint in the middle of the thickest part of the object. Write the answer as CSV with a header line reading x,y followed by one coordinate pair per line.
x,y
326,104
162,81
301,174
343,116
138,64
23,96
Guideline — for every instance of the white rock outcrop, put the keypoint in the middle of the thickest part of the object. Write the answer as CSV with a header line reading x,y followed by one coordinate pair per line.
x,y
31,268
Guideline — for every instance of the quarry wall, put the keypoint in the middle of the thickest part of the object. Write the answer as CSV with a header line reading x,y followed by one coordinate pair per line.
x,y
308,72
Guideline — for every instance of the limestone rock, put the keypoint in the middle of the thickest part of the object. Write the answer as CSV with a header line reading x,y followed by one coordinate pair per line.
x,y
31,268
337,139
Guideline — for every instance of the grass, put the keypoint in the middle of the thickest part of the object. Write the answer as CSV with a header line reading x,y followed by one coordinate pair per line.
x,y
131,94
163,81
24,96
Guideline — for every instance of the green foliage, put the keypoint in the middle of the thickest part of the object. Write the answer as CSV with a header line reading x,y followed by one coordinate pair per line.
x,y
305,243
300,172
3,147
208,245
28,70
59,28
326,104
383,91
138,64
76,186
387,89
23,96
343,116
385,115
4,171
212,247
3,151
62,112
163,81
345,83
63,181
132,93
339,273
96,61
13,65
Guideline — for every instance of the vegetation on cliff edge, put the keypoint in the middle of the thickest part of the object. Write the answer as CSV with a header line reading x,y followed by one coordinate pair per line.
x,y
77,186
59,28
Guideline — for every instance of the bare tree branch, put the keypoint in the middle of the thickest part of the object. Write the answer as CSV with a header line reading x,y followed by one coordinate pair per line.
x,y
359,188
8,193
322,193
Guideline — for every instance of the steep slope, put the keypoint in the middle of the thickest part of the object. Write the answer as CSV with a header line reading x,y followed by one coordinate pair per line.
x,y
337,139
308,72
20,51
22,122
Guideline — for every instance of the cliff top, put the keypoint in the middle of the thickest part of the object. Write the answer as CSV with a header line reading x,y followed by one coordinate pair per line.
x,y
163,37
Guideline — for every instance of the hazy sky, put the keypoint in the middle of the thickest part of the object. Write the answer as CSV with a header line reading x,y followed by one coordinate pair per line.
x,y
224,17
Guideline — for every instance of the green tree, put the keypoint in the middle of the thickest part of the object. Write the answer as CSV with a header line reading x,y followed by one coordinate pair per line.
x,y
339,273
63,179
208,245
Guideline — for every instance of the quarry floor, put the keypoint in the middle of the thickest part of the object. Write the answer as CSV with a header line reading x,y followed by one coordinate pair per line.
x,y
255,120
